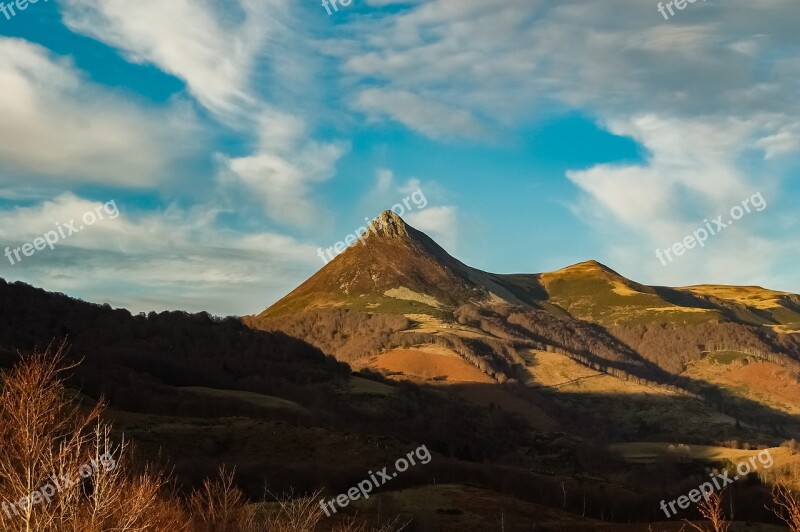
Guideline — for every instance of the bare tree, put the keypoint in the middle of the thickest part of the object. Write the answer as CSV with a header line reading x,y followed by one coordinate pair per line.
x,y
711,510
787,506
59,470
219,506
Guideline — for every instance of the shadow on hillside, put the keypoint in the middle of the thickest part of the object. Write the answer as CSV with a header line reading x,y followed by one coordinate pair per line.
x,y
327,436
614,416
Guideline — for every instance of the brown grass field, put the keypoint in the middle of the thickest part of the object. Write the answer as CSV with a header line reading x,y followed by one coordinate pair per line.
x,y
765,382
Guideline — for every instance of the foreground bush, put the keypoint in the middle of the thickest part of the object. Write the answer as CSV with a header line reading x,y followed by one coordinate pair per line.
x,y
787,506
60,471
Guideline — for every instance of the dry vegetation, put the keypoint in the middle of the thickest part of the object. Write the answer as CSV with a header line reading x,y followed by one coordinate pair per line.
x,y
712,510
47,434
432,364
787,506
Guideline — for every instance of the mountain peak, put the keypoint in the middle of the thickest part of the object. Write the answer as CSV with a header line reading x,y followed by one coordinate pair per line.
x,y
388,225
392,256
589,266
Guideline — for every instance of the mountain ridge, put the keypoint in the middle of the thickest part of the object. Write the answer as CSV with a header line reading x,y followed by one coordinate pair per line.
x,y
408,291
395,256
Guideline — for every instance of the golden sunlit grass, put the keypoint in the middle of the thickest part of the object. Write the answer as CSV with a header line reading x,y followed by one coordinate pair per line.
x,y
752,296
560,372
764,382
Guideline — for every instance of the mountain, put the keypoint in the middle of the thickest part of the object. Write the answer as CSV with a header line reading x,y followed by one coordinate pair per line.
x,y
398,287
393,269
397,269
398,304
594,292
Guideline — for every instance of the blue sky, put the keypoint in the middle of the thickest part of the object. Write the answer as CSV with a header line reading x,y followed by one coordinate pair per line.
x,y
236,138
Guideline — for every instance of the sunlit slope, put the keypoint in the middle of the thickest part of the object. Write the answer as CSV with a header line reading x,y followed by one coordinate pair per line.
x,y
593,292
395,269
773,307
596,293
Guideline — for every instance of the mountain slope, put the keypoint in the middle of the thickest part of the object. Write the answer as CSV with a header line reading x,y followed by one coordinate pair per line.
x,y
393,269
397,269
392,257
204,391
398,289
767,306
593,292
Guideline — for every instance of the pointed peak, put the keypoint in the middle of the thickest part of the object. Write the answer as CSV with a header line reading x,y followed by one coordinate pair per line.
x,y
589,266
593,264
389,224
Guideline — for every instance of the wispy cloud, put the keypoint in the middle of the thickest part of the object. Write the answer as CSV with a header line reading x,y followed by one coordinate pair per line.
x,y
212,46
434,119
60,127
220,51
173,259
284,168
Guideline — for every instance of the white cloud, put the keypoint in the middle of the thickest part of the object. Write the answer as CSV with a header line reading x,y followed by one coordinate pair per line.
x,y
56,125
212,46
385,180
692,177
785,141
691,171
239,59
440,223
284,169
504,63
435,119
710,94
175,259
384,193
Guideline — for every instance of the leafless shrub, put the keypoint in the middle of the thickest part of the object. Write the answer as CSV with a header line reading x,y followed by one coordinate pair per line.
x,y
353,525
219,506
46,435
787,506
711,510
296,514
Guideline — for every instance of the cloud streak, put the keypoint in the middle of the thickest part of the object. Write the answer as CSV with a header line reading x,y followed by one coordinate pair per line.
x,y
60,127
